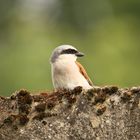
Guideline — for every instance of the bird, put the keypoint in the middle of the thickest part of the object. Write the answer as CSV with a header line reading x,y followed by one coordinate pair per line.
x,y
67,72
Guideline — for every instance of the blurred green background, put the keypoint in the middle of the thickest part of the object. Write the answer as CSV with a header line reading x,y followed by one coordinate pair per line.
x,y
107,31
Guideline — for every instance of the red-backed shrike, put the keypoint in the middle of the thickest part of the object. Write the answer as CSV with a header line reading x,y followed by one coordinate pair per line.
x,y
67,73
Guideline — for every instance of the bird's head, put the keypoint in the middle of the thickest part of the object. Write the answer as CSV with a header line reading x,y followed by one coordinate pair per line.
x,y
65,52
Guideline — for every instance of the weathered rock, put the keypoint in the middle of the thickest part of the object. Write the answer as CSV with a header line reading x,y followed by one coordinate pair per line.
x,y
106,113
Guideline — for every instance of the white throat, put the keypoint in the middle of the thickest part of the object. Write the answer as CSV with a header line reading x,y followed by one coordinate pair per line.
x,y
67,58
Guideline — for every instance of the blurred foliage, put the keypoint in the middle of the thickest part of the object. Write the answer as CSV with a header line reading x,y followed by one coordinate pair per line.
x,y
107,31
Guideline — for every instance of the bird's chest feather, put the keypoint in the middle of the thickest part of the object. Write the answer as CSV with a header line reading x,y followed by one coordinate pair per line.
x,y
64,75
64,70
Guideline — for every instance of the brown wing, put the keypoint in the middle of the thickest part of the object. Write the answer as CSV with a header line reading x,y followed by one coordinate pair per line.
x,y
83,72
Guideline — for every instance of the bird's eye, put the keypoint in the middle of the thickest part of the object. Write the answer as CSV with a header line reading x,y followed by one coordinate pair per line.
x,y
69,51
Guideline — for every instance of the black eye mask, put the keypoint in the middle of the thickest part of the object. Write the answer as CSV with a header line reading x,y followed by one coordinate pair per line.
x,y
69,51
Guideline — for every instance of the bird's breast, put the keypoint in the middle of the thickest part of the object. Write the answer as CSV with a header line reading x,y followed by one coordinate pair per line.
x,y
64,69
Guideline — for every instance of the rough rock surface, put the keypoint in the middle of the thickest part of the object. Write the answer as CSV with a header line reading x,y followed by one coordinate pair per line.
x,y
104,113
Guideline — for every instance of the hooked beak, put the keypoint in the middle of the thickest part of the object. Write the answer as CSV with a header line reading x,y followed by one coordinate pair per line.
x,y
79,54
